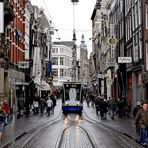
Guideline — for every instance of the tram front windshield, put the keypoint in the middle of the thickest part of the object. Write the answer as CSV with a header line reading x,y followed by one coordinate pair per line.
x,y
72,92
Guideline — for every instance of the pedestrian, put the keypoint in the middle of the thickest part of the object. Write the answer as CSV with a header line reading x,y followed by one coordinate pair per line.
x,y
92,98
103,108
54,101
27,106
20,105
120,106
36,107
97,103
42,104
135,110
2,121
112,106
87,100
6,109
142,118
49,106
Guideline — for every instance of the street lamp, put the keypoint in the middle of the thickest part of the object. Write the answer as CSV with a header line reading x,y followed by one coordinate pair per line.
x,y
74,42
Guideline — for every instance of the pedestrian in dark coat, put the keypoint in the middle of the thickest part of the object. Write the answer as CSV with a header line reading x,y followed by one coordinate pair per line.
x,y
136,109
103,108
88,100
42,105
97,103
112,106
120,105
54,101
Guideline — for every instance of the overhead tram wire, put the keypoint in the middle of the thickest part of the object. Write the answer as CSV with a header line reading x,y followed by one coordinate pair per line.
x,y
51,19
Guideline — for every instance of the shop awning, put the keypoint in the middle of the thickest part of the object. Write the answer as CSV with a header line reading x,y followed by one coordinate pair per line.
x,y
44,86
41,84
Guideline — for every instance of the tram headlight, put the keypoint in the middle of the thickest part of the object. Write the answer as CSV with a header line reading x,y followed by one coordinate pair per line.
x,y
78,103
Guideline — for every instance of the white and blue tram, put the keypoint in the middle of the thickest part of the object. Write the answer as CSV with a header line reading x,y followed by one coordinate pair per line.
x,y
72,98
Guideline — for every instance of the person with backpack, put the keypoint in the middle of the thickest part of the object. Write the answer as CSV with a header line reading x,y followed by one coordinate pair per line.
x,y
142,119
2,121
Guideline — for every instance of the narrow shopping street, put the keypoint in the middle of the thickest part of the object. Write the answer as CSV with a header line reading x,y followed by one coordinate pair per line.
x,y
73,73
70,131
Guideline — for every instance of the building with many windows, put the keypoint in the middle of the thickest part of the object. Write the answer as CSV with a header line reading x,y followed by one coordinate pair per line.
x,y
61,54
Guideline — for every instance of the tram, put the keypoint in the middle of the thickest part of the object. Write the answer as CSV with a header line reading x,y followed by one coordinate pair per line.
x,y
72,97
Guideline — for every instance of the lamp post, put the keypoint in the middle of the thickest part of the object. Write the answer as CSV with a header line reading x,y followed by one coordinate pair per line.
x,y
74,42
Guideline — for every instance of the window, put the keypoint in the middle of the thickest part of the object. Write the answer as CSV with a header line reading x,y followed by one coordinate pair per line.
x,y
136,13
61,61
140,44
55,72
55,60
54,50
139,11
61,72
134,18
61,50
147,15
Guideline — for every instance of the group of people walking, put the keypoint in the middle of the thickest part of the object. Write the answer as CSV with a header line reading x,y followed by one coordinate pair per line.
x,y
112,106
37,105
42,104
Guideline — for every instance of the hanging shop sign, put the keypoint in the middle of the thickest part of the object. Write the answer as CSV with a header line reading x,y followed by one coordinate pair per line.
x,y
124,59
23,64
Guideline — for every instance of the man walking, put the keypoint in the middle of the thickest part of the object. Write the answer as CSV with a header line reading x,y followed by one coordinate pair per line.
x,y
142,119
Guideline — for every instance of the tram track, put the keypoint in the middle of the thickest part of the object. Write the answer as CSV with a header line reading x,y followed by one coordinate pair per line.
x,y
73,125
84,132
27,137
123,139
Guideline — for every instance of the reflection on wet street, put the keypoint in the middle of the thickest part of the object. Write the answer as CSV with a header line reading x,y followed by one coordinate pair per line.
x,y
74,136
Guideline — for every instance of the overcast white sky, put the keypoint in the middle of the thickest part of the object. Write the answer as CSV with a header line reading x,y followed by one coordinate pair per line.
x,y
61,13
